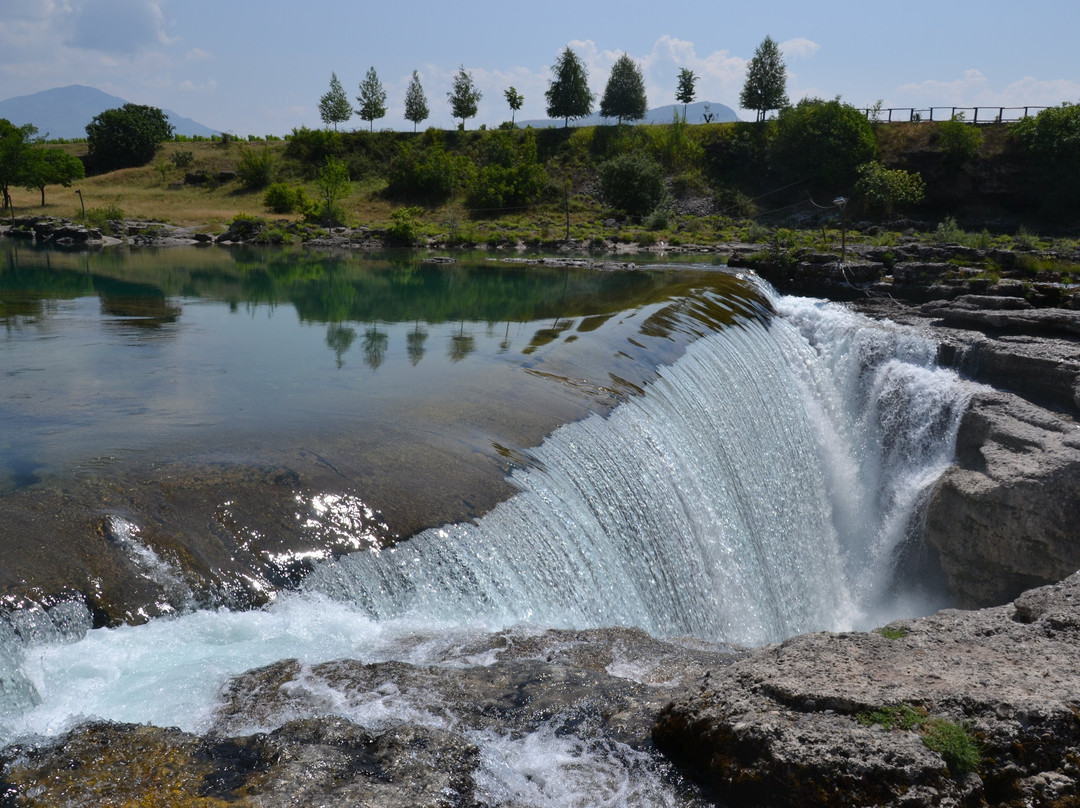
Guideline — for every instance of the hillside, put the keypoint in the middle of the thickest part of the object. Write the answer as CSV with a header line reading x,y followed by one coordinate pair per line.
x,y
695,113
64,112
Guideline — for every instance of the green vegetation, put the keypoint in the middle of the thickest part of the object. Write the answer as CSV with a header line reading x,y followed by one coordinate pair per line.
x,y
334,106
765,88
632,182
624,95
568,94
884,189
954,742
416,106
464,96
372,99
894,632
126,137
1051,140
960,141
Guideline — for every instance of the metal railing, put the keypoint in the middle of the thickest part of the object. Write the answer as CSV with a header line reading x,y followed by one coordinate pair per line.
x,y
975,115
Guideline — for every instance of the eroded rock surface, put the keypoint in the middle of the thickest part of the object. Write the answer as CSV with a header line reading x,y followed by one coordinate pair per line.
x,y
794,725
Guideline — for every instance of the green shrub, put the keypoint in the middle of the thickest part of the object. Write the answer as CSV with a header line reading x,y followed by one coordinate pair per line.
x,y
955,743
960,141
822,142
101,216
632,182
893,717
883,189
510,175
1051,141
256,169
183,159
283,198
405,229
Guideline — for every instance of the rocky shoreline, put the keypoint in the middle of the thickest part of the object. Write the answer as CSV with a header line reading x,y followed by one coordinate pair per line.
x,y
800,723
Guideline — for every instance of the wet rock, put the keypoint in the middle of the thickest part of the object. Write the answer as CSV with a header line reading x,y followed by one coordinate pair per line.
x,y
801,723
384,734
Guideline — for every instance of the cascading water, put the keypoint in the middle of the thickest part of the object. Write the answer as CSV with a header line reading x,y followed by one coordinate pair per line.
x,y
765,484
763,487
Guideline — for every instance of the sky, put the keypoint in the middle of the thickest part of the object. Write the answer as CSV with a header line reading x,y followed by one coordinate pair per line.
x,y
258,67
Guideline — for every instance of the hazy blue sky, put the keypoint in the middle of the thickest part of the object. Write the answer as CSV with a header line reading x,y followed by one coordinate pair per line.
x,y
259,67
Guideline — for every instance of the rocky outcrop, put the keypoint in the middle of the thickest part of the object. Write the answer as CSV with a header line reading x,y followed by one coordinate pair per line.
x,y
960,708
1005,516
386,734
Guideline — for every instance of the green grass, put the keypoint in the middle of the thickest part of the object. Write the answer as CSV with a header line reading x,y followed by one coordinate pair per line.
x,y
955,742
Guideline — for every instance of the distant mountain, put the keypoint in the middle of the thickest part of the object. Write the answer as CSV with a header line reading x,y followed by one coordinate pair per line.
x,y
64,112
695,113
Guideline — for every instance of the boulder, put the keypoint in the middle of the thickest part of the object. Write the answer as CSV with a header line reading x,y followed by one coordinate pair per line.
x,y
960,708
1004,516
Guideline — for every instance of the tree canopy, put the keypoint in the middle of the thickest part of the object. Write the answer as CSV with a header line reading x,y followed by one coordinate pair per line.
x,y
766,80
624,95
824,141
372,98
416,106
687,88
568,94
514,99
50,166
126,137
15,143
334,106
464,97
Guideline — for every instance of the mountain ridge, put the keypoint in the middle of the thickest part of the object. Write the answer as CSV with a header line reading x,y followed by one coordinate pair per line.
x,y
64,112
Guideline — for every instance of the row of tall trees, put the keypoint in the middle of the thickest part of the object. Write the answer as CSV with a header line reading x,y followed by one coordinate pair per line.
x,y
568,94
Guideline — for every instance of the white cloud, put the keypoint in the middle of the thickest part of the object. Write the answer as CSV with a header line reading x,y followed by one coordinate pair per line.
x,y
198,55
799,48
116,27
974,89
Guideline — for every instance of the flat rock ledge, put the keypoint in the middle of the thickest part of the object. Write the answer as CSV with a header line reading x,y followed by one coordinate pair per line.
x,y
800,723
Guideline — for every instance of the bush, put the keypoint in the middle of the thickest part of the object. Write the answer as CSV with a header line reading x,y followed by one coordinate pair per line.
x,y
1051,140
283,198
424,171
632,182
960,141
101,216
885,188
510,175
126,137
256,169
405,229
183,159
823,142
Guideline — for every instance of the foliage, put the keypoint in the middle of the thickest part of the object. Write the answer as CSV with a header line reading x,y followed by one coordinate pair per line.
x,y
100,216
949,232
126,137
676,144
372,99
509,175
284,198
46,166
1051,140
624,94
823,141
960,141
312,147
425,171
14,145
901,716
894,633
686,89
886,188
405,229
955,743
416,106
568,94
334,185
334,106
255,169
464,96
632,182
183,159
514,99
766,80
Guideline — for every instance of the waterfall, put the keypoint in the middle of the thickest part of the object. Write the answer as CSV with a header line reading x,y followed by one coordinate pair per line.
x,y
763,486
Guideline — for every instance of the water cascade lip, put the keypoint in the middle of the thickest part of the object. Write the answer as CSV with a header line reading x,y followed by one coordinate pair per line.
x,y
766,482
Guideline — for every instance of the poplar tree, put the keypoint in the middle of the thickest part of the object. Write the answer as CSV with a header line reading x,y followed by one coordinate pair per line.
x,y
334,106
416,106
515,100
766,80
464,97
568,93
686,90
624,95
372,99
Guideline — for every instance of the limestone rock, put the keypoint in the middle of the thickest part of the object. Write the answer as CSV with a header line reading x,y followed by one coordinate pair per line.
x,y
793,725
1004,517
